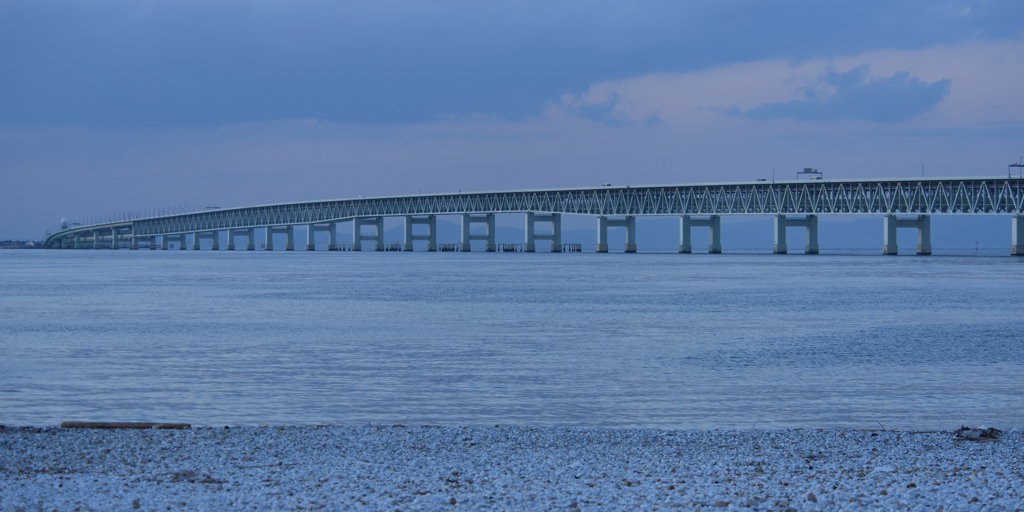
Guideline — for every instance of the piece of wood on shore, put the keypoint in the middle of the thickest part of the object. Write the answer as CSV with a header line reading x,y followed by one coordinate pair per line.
x,y
122,424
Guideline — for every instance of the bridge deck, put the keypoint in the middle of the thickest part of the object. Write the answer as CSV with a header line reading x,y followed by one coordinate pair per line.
x,y
937,196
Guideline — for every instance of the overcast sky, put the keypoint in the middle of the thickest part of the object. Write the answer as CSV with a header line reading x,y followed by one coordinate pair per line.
x,y
108,106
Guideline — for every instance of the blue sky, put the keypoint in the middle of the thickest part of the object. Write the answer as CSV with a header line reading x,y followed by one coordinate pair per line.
x,y
117,105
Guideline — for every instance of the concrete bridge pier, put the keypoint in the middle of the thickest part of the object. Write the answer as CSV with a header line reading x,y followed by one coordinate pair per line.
x,y
164,240
289,231
358,236
1017,236
150,240
114,238
924,233
603,223
332,236
489,238
78,241
212,236
782,222
431,237
248,233
532,218
715,239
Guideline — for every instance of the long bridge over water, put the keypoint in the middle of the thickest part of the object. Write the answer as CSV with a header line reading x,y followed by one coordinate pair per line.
x,y
902,203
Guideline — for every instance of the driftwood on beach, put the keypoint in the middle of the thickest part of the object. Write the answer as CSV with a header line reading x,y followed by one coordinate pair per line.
x,y
122,424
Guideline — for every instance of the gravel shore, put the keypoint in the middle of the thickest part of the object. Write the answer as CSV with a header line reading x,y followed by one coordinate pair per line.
x,y
397,467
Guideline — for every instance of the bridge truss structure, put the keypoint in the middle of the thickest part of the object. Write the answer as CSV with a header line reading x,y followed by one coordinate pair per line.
x,y
920,197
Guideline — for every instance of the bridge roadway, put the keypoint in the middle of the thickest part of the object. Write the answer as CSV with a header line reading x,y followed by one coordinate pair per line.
x,y
791,203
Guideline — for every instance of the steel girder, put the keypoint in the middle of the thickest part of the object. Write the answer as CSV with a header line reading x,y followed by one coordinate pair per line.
x,y
819,197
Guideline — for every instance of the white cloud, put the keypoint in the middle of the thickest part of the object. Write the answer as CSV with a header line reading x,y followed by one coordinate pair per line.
x,y
987,86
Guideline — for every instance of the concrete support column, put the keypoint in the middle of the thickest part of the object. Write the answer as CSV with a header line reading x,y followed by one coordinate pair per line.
x,y
602,234
889,235
713,222
150,241
811,244
489,237
630,234
532,219
556,232
78,241
603,223
114,238
810,223
923,224
249,234
212,236
530,244
467,222
95,239
288,231
357,232
780,235
924,234
407,234
431,237
1017,236
332,236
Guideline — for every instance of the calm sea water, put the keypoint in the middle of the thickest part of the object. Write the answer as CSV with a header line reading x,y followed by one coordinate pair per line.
x,y
660,340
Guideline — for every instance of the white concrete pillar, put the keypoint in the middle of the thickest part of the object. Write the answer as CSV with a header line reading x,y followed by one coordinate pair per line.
x,y
78,240
1017,236
556,232
332,236
407,234
531,233
195,241
249,235
924,235
288,231
163,243
715,236
467,223
113,238
135,243
357,232
95,239
602,234
214,240
811,244
630,234
685,247
780,235
889,235
530,244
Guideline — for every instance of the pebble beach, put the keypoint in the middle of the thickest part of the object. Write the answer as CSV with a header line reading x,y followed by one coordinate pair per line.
x,y
397,467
